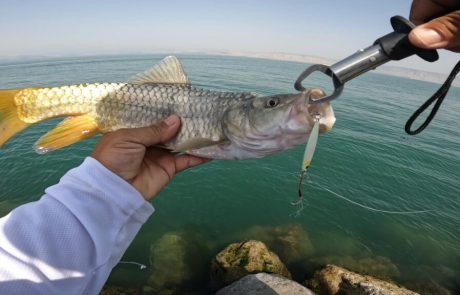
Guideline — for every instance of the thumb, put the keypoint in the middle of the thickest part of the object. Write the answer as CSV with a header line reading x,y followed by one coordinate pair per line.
x,y
160,132
442,32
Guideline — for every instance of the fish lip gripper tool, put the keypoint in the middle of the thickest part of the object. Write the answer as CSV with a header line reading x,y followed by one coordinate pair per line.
x,y
393,46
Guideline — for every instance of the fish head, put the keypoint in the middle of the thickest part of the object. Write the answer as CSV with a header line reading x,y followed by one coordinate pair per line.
x,y
269,124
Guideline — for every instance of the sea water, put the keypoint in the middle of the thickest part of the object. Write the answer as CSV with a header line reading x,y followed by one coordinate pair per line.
x,y
366,158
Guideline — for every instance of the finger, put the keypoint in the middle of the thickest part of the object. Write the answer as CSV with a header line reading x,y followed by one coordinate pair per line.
x,y
160,132
442,32
423,11
187,161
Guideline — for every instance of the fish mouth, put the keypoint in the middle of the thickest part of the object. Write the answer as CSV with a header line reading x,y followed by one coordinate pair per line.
x,y
307,113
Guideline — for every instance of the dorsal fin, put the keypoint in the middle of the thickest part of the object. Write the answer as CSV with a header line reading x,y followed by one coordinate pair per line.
x,y
167,71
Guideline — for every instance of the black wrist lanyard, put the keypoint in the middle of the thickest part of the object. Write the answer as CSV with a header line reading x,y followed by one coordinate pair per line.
x,y
437,98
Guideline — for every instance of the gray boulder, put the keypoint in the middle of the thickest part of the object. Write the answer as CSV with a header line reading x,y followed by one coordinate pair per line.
x,y
265,284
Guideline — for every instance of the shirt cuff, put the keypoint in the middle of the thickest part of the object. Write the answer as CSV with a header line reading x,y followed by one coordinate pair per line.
x,y
111,186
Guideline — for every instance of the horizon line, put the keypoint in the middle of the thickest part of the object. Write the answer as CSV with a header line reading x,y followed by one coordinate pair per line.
x,y
398,71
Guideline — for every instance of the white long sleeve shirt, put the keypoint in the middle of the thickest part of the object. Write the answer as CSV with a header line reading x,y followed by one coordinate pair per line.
x,y
69,240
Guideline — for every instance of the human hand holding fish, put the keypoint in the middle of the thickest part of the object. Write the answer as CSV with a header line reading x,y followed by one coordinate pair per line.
x,y
133,155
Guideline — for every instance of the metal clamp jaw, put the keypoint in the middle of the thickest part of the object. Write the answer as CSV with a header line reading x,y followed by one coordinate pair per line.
x,y
393,46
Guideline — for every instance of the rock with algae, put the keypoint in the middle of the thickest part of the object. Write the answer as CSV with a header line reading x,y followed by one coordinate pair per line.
x,y
290,241
263,284
334,280
377,266
240,259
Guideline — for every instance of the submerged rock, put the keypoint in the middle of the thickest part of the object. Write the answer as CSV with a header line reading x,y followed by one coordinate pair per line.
x,y
263,284
240,259
377,266
290,241
429,287
432,280
112,290
334,280
343,244
177,261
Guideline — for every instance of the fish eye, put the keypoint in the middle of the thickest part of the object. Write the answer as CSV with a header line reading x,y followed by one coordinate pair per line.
x,y
272,102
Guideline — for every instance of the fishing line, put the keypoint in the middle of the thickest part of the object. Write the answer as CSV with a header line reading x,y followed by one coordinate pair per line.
x,y
306,161
141,266
367,207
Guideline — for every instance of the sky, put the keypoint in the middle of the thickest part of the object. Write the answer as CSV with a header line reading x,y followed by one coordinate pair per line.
x,y
325,28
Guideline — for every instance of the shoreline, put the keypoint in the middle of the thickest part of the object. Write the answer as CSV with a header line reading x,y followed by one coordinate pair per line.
x,y
396,71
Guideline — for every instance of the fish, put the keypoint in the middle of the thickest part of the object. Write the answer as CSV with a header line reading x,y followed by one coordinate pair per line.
x,y
214,124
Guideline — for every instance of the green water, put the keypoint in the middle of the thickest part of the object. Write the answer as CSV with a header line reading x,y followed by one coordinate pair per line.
x,y
367,158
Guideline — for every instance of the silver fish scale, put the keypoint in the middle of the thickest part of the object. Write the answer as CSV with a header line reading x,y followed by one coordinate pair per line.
x,y
200,110
120,105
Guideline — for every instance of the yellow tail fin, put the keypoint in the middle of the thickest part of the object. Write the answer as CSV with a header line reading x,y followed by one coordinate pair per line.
x,y
10,124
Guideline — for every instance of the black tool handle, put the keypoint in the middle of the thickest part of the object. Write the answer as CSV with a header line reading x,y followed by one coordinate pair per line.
x,y
392,46
396,45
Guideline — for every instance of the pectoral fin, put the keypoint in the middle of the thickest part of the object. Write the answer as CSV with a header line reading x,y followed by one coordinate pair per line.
x,y
69,131
195,143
